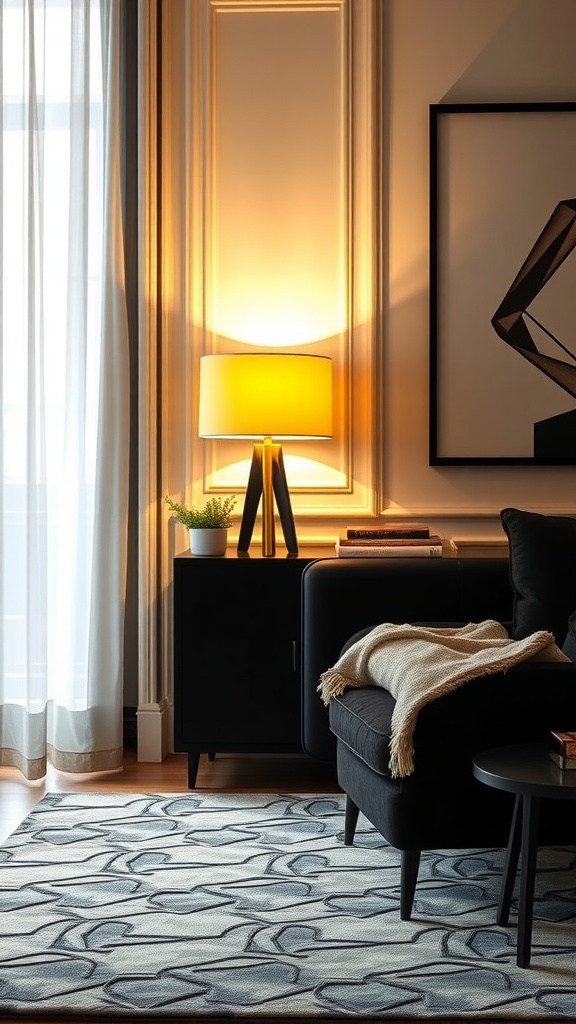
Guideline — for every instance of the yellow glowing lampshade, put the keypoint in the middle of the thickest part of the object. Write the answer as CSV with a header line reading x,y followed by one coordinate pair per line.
x,y
265,395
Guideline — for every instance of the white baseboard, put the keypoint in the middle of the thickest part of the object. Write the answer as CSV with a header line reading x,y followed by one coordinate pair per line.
x,y
154,731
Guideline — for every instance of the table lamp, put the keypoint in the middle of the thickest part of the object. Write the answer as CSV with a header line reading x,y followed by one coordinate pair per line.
x,y
269,397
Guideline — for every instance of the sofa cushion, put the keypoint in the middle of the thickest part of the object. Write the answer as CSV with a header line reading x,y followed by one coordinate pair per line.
x,y
542,560
361,718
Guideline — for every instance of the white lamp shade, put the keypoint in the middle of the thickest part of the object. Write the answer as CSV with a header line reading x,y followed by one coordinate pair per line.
x,y
265,395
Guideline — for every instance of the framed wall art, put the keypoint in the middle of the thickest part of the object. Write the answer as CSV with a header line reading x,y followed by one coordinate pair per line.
x,y
503,284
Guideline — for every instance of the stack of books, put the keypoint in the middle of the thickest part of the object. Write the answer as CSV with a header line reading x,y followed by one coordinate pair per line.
x,y
563,749
398,540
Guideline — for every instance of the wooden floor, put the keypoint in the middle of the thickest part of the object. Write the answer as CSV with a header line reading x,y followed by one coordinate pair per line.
x,y
228,773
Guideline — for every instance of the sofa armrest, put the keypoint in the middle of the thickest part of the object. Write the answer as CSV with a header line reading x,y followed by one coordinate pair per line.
x,y
521,705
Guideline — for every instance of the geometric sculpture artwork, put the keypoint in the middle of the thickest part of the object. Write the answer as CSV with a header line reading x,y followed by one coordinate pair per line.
x,y
512,322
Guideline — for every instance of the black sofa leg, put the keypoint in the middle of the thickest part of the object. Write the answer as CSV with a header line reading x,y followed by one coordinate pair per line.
x,y
409,864
351,813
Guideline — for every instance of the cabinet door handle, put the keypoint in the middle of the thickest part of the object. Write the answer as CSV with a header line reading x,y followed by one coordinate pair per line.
x,y
295,655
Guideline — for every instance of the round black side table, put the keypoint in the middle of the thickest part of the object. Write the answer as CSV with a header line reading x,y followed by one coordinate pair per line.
x,y
528,771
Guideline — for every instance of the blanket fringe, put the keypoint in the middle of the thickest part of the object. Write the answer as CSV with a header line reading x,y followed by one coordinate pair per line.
x,y
333,684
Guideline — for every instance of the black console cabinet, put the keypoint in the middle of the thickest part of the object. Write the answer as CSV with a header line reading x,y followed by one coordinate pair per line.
x,y
237,655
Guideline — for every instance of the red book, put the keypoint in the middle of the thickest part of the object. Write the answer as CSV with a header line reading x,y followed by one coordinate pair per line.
x,y
384,542
564,743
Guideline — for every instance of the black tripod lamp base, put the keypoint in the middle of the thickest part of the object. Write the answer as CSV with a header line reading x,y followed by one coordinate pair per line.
x,y
267,480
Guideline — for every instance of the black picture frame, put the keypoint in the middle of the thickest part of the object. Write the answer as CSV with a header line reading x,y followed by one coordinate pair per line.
x,y
502,284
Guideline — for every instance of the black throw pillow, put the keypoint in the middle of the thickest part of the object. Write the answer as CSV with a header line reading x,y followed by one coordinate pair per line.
x,y
542,554
569,647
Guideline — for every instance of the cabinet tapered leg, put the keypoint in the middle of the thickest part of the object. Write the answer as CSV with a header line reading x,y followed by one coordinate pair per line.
x,y
193,762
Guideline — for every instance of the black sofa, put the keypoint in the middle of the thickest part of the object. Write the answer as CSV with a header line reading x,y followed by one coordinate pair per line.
x,y
343,596
440,805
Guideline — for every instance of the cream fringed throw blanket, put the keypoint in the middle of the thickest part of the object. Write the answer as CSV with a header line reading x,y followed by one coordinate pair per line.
x,y
417,664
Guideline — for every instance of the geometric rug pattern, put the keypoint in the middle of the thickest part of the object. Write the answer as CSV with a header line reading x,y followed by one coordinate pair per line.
x,y
192,905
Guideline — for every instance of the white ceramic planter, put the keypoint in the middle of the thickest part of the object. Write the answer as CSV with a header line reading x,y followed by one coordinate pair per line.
x,y
208,543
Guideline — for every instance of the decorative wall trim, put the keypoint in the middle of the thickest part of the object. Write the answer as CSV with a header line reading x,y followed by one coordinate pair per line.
x,y
153,681
230,295
469,547
456,512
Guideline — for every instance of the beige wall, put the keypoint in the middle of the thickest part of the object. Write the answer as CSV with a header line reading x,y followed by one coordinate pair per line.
x,y
457,51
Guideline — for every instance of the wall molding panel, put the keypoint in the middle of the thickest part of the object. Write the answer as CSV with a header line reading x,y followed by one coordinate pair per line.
x,y
271,193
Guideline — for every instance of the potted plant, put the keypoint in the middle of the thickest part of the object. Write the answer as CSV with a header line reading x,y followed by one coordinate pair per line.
x,y
207,525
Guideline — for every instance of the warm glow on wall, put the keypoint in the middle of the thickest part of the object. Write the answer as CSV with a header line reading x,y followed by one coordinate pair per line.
x,y
301,472
279,176
261,301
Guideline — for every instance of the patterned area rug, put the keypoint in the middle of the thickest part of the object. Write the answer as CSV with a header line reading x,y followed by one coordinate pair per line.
x,y
251,906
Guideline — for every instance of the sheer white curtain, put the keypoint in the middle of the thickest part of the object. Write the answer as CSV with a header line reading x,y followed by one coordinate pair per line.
x,y
63,387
